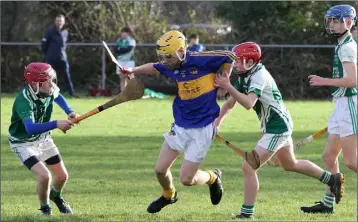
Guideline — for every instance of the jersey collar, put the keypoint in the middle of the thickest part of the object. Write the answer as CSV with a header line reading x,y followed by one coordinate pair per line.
x,y
32,94
255,69
344,39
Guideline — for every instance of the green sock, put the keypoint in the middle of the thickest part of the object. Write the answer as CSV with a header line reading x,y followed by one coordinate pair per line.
x,y
328,200
325,177
44,204
248,210
55,192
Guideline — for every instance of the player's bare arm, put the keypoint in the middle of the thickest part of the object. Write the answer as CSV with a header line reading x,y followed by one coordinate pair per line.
x,y
146,69
225,111
349,81
227,68
247,101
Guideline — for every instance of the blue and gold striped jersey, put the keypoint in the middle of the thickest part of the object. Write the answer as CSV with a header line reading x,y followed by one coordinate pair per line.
x,y
195,105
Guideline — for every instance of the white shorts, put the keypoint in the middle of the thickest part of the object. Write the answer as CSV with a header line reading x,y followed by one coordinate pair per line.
x,y
124,64
274,142
343,120
194,142
43,148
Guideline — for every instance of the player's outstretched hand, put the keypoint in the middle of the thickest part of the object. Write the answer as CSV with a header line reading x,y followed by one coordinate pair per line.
x,y
217,127
64,125
72,116
127,72
222,80
315,80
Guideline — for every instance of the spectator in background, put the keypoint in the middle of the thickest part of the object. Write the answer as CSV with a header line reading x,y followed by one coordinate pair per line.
x,y
53,46
125,54
194,45
354,33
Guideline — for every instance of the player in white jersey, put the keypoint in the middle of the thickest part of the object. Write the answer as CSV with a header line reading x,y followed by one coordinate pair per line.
x,y
342,125
255,88
125,54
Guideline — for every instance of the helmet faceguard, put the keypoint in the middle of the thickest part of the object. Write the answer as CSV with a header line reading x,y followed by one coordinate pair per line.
x,y
42,77
339,19
246,51
171,49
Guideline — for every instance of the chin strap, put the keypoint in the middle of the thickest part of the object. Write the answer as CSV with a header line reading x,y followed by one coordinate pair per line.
x,y
38,93
184,56
37,88
337,36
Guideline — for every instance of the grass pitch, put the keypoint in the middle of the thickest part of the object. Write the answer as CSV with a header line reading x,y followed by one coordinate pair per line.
x,y
110,158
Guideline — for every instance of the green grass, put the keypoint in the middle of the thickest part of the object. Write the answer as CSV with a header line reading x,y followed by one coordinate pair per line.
x,y
110,158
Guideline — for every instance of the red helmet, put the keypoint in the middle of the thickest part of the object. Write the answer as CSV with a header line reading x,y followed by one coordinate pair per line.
x,y
38,72
248,50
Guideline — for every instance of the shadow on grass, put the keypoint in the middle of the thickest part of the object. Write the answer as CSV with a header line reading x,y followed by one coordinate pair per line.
x,y
28,218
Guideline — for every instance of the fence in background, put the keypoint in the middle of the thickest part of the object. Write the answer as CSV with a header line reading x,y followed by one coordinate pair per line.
x,y
91,67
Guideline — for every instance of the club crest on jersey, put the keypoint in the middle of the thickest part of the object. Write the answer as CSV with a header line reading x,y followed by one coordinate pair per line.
x,y
335,72
176,72
182,73
194,71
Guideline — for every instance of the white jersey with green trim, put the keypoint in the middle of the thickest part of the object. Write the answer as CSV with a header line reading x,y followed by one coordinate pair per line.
x,y
345,51
270,109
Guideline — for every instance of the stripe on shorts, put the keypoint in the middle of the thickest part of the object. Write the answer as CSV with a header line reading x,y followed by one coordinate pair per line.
x,y
273,142
353,113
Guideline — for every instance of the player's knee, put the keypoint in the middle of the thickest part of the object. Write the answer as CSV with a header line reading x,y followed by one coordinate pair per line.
x,y
291,167
63,177
160,171
351,163
186,180
247,169
44,177
329,158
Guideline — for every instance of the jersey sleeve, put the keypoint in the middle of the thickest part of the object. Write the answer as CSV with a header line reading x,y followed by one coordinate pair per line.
x,y
162,69
348,53
61,102
132,43
257,85
217,59
23,107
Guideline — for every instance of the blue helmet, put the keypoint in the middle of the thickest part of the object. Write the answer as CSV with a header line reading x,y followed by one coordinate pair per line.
x,y
339,13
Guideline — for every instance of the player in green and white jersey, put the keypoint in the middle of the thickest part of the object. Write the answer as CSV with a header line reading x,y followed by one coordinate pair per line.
x,y
30,138
342,125
255,88
125,54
